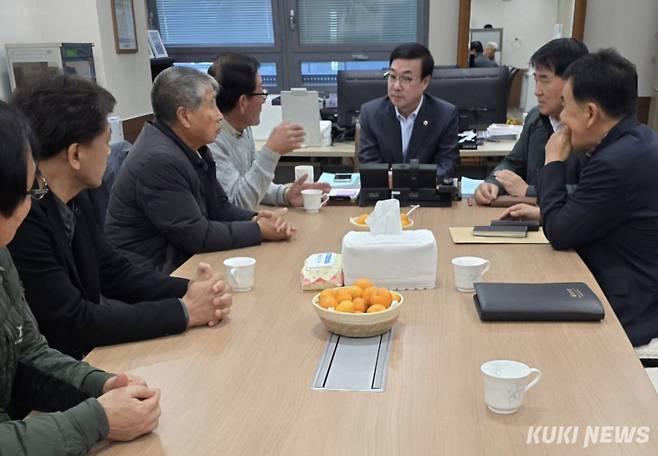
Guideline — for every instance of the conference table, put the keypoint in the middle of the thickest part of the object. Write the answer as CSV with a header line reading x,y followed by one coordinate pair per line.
x,y
345,150
244,387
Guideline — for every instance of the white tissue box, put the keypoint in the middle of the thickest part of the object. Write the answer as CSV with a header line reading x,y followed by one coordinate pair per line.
x,y
400,261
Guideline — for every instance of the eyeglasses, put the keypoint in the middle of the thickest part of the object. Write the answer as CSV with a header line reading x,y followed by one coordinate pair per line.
x,y
404,80
262,94
39,187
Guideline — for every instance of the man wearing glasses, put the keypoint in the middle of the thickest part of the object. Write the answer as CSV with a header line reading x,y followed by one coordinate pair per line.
x,y
409,124
245,174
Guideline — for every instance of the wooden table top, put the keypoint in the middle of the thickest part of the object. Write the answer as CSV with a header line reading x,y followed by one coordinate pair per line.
x,y
245,386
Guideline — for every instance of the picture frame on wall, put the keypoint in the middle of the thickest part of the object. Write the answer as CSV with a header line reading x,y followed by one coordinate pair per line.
x,y
156,44
125,31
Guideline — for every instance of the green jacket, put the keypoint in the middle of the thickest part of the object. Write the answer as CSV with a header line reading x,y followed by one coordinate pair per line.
x,y
73,431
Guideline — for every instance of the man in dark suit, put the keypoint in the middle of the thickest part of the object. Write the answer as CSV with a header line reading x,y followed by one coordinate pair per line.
x,y
611,219
408,123
82,292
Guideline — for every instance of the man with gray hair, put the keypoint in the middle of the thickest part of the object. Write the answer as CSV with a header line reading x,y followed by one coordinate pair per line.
x,y
166,204
490,51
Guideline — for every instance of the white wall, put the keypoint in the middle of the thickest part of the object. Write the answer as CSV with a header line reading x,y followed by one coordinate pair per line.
x,y
444,24
629,27
565,10
127,76
526,24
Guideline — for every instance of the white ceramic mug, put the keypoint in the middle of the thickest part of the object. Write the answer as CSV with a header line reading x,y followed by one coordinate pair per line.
x,y
314,199
240,273
505,384
468,270
300,170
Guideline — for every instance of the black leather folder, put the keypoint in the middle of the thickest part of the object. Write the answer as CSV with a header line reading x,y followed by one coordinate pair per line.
x,y
537,302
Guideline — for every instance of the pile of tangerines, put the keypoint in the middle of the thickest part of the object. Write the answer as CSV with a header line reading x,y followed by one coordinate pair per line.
x,y
361,297
404,219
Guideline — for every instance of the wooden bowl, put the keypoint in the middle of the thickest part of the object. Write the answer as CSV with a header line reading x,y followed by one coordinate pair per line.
x,y
358,324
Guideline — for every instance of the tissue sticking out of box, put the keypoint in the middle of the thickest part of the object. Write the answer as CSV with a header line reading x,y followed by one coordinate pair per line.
x,y
385,219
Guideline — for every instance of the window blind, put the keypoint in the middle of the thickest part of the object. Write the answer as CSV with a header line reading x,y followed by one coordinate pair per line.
x,y
216,22
357,21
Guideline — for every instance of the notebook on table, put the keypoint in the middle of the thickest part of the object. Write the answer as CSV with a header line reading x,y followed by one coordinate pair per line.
x,y
572,301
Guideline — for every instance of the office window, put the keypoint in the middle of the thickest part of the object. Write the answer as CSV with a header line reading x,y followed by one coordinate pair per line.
x,y
216,22
300,43
267,71
342,21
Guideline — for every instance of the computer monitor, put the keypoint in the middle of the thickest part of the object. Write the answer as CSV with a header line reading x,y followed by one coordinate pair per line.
x,y
480,94
355,88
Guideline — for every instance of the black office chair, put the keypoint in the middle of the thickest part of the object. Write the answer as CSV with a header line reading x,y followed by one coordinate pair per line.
x,y
100,197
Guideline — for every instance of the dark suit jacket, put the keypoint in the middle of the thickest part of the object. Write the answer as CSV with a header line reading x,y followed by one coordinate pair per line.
x,y
528,155
64,284
612,221
166,204
433,140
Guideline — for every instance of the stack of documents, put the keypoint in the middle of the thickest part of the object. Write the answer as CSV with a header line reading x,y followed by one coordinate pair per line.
x,y
503,131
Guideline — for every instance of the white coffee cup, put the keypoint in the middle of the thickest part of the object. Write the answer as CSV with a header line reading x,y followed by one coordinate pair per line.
x,y
313,199
468,270
240,273
300,170
505,384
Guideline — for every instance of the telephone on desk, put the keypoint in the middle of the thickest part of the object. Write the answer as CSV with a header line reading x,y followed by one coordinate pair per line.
x,y
411,183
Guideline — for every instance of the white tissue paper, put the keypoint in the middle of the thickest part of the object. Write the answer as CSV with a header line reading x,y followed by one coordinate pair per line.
x,y
385,219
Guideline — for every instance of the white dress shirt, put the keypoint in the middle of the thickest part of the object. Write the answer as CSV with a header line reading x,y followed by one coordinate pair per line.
x,y
407,127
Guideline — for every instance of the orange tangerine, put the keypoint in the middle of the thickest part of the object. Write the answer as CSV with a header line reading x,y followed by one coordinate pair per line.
x,y
366,295
359,305
376,308
328,293
343,294
363,283
355,291
380,296
328,301
345,306
396,296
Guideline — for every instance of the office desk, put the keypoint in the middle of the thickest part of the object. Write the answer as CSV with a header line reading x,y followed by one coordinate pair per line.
x,y
341,150
244,387
346,150
490,149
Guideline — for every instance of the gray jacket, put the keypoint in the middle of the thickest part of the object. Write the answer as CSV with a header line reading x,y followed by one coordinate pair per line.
x,y
480,61
166,204
73,431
